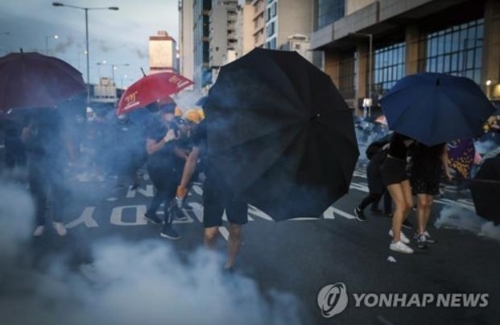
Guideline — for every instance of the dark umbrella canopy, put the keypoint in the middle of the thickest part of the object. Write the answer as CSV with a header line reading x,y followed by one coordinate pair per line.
x,y
35,80
485,189
281,134
435,108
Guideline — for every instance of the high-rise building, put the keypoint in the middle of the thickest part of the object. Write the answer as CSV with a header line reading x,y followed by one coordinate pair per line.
x,y
259,24
162,53
285,18
244,28
186,42
369,45
201,32
223,19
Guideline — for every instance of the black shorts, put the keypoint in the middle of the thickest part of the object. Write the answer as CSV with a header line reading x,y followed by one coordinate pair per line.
x,y
393,171
420,186
216,199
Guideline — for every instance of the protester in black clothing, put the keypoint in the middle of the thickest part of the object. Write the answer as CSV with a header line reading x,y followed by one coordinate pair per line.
x,y
216,197
48,155
427,166
15,150
395,177
163,168
376,187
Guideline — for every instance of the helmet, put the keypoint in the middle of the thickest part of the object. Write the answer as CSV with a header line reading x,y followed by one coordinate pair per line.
x,y
194,116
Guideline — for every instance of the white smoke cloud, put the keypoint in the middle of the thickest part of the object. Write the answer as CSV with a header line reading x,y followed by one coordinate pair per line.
x,y
464,219
16,220
126,283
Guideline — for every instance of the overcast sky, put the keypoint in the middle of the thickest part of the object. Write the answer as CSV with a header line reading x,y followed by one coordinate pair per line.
x,y
117,37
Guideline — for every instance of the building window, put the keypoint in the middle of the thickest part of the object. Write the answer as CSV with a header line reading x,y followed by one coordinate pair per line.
x,y
329,11
274,9
347,75
270,29
389,67
456,50
271,44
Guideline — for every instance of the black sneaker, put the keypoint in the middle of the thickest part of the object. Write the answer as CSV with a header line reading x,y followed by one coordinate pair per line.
x,y
428,238
177,214
169,232
153,218
407,224
421,242
360,215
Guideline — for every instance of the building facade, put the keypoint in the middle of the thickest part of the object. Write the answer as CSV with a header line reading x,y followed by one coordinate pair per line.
x,y
163,53
222,39
186,42
244,28
368,45
201,45
285,18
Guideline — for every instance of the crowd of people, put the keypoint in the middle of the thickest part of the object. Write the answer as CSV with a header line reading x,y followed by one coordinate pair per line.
x,y
401,168
173,147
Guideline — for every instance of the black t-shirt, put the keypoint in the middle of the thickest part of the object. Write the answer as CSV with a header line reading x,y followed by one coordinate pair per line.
x,y
397,148
44,141
426,161
199,139
165,157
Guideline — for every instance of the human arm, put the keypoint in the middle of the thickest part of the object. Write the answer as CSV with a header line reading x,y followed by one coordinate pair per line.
x,y
446,163
189,168
153,146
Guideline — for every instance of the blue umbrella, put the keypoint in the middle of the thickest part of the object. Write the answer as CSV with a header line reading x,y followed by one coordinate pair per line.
x,y
434,108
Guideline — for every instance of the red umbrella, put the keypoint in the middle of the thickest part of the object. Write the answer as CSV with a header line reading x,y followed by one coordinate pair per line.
x,y
151,88
35,80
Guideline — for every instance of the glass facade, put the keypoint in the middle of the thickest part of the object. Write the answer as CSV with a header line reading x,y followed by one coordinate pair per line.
x,y
329,11
389,67
202,75
456,50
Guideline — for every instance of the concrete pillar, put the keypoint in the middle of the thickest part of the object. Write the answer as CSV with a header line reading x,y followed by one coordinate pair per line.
x,y
491,48
415,50
363,56
332,66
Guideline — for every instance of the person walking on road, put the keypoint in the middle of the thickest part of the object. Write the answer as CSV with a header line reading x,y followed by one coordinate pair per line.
x,y
427,165
161,166
48,154
396,179
216,198
376,153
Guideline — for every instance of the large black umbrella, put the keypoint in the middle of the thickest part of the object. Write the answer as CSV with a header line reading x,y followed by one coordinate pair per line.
x,y
281,134
485,189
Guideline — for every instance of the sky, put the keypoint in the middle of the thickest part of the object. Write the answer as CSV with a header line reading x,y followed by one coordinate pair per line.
x,y
116,37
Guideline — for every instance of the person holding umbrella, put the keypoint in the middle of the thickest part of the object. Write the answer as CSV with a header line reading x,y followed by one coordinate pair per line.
x,y
426,167
48,152
397,182
216,197
162,166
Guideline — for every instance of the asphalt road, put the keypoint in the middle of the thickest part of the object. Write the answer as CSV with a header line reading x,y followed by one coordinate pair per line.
x,y
301,256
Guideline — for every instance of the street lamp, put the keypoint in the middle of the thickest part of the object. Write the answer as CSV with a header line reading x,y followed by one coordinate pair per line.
x,y
370,63
47,42
86,9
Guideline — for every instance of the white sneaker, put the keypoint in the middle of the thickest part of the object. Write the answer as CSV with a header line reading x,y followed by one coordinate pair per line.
x,y
402,236
39,230
59,227
400,247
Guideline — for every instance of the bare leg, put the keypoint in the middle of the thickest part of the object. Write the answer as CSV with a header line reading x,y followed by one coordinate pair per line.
x,y
210,237
423,211
235,235
399,193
